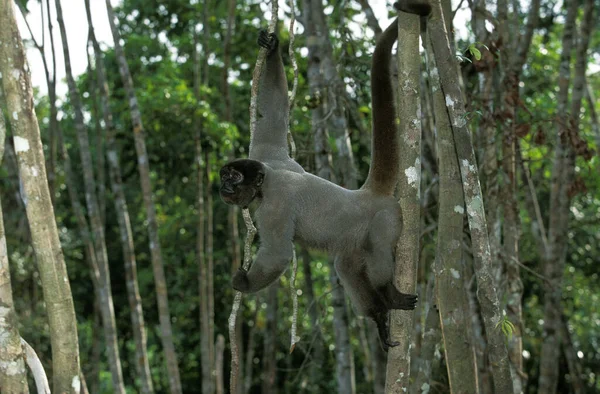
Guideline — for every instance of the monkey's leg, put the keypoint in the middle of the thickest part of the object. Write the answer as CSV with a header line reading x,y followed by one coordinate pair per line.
x,y
380,263
366,300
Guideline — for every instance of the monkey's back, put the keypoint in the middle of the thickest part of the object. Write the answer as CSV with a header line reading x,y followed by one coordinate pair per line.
x,y
325,215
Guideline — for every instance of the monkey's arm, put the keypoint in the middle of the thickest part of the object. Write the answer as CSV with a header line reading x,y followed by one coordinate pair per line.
x,y
269,141
273,257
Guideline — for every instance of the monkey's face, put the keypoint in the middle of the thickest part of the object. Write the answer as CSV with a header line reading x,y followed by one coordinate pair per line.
x,y
241,182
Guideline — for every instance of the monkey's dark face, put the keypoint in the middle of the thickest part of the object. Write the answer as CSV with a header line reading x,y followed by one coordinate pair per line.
x,y
241,182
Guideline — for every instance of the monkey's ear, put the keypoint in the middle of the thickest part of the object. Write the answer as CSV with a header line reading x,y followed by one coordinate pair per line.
x,y
260,177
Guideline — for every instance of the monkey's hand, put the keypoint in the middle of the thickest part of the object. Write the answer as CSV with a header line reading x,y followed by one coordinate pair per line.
x,y
419,7
267,40
240,280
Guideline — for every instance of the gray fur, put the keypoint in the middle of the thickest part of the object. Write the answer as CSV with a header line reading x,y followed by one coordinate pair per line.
x,y
359,228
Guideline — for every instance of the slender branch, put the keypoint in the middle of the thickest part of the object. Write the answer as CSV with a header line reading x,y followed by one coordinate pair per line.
x,y
250,229
24,14
295,84
294,338
36,367
235,356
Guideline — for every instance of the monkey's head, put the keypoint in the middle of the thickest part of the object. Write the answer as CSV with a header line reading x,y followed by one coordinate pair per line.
x,y
241,182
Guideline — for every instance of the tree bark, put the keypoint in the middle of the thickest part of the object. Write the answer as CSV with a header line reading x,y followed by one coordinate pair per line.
x,y
452,300
563,173
318,42
487,295
127,243
220,349
575,377
210,261
233,213
206,340
106,302
13,375
269,385
409,183
144,171
431,339
40,213
327,90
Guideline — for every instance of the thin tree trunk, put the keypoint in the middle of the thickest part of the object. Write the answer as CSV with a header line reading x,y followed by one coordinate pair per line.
x,y
13,375
450,271
94,363
210,261
317,54
98,130
431,340
250,348
563,172
269,379
378,360
233,211
371,19
36,368
328,88
220,349
155,248
317,343
344,356
487,296
124,222
106,302
40,212
516,56
409,183
575,376
205,337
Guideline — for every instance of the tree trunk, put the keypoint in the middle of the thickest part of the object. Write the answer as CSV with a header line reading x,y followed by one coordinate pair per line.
x,y
450,271
155,248
206,339
40,213
13,375
269,379
210,261
317,343
327,87
235,246
344,367
409,183
220,349
318,43
251,347
106,302
563,173
575,377
431,340
133,293
487,296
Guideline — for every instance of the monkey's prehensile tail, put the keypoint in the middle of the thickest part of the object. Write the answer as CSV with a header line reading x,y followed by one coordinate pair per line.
x,y
383,173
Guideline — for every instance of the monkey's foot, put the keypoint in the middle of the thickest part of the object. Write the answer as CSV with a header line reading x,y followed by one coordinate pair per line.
x,y
240,280
406,302
268,41
381,319
397,300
